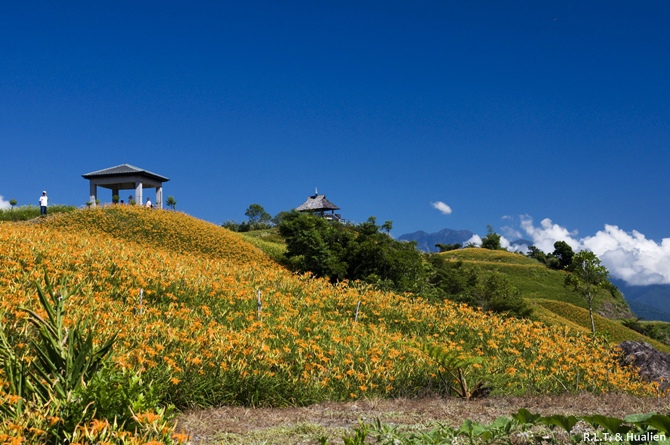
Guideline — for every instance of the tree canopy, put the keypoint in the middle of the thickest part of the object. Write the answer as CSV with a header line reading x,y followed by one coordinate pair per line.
x,y
353,252
257,214
587,275
560,258
491,240
490,291
364,252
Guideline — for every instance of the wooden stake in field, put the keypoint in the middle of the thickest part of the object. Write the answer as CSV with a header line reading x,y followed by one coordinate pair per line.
x,y
260,306
141,309
358,306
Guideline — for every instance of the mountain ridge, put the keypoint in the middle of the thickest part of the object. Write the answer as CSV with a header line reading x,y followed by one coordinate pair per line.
x,y
426,241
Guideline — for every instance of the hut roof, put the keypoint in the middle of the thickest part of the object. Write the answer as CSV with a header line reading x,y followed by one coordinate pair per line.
x,y
315,203
124,170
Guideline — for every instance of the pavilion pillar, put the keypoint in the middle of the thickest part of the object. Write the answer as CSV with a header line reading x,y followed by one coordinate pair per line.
x,y
115,192
138,193
93,192
159,197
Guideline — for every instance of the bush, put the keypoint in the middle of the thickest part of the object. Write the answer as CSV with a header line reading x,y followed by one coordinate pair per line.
x,y
488,291
57,379
351,252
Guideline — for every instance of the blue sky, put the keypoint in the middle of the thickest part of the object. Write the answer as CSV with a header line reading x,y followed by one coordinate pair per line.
x,y
546,120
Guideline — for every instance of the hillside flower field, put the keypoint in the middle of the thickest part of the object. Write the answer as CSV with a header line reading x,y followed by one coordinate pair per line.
x,y
182,297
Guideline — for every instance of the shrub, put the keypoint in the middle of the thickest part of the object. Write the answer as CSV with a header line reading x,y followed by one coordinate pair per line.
x,y
59,381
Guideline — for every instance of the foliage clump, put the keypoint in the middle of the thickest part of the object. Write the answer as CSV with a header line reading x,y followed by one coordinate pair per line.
x,y
489,291
340,251
59,381
363,252
559,259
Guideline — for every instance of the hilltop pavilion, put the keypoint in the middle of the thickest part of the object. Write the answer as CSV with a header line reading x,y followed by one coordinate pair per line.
x,y
319,205
125,177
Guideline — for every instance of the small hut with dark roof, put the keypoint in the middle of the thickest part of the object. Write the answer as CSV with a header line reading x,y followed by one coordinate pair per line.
x,y
124,177
319,205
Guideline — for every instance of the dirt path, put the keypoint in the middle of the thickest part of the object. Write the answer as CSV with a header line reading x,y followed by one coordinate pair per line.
x,y
237,425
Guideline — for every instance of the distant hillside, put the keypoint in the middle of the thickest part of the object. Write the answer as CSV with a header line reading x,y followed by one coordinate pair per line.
x,y
536,282
648,302
646,312
426,241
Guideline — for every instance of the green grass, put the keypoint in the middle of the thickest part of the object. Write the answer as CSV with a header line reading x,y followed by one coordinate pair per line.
x,y
533,279
269,241
299,433
614,330
28,212
554,303
658,330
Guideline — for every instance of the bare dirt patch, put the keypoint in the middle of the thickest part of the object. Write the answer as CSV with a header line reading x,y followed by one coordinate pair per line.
x,y
304,425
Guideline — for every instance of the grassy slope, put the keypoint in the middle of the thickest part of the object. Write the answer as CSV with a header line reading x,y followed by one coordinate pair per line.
x,y
553,303
533,279
198,334
268,240
28,212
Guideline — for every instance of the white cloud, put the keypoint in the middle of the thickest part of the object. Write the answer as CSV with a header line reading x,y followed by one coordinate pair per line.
x,y
547,234
505,244
4,204
475,240
628,256
442,207
510,232
631,256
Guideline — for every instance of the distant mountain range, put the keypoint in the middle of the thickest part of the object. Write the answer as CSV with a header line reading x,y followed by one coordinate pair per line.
x,y
650,302
426,241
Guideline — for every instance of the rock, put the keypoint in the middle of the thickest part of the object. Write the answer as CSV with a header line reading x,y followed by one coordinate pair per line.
x,y
652,365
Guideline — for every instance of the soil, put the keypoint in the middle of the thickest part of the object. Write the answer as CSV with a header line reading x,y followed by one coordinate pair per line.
x,y
304,425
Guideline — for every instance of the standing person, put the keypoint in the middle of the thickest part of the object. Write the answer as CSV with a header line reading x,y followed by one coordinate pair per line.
x,y
43,203
148,205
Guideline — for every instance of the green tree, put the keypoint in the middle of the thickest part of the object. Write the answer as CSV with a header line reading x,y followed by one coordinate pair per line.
x,y
388,226
354,252
564,254
171,202
231,225
587,276
451,277
13,202
315,244
279,217
448,247
537,254
489,291
495,293
491,240
257,214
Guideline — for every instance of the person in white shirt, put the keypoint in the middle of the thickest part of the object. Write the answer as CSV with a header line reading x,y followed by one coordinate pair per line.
x,y
148,204
43,203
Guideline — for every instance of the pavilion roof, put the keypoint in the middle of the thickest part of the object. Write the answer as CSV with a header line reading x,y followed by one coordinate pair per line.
x,y
124,170
317,202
